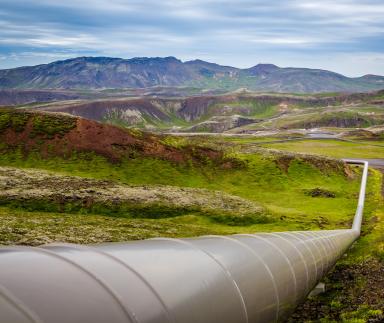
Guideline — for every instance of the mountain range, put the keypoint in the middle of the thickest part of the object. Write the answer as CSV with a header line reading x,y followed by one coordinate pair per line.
x,y
143,72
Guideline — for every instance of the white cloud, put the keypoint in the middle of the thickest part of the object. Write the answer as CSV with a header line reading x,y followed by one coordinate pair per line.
x,y
342,8
227,31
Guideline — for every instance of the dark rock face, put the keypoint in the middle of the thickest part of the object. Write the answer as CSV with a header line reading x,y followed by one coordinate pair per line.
x,y
143,72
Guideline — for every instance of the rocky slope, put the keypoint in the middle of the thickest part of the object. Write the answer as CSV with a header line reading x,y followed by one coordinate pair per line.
x,y
211,113
106,72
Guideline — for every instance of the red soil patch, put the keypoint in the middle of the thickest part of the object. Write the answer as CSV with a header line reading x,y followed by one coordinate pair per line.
x,y
106,140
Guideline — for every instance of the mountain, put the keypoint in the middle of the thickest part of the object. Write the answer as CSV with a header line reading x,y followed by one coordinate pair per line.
x,y
143,72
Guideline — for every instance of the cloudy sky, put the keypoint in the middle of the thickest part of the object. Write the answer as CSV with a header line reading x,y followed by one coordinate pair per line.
x,y
345,36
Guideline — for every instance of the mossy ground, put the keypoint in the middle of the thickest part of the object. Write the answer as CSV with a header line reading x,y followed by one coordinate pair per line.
x,y
280,189
42,124
333,148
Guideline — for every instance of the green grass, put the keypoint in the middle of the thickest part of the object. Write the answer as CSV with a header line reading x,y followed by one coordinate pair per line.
x,y
16,120
52,125
46,125
333,148
22,225
281,192
255,108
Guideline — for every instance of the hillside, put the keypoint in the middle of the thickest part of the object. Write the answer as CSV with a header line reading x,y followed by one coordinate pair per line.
x,y
240,111
143,72
52,135
75,146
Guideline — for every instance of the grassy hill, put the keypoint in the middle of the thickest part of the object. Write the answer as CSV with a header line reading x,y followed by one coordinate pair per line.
x,y
277,183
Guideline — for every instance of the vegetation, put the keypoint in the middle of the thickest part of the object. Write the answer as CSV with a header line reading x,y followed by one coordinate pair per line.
x,y
42,124
272,182
334,148
246,106
52,125
16,120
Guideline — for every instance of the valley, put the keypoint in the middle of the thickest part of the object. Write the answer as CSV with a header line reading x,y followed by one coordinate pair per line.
x,y
241,112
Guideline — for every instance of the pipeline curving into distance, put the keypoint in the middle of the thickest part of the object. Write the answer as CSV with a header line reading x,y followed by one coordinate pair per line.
x,y
212,279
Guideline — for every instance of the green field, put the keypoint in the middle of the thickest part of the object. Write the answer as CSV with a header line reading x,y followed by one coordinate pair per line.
x,y
333,148
278,185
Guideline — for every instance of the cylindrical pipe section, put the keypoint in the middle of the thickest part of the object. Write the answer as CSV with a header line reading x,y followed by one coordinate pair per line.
x,y
360,205
228,279
241,278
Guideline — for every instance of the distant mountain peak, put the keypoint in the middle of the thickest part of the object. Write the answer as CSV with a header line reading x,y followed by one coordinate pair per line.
x,y
266,65
373,77
263,68
154,59
201,62
196,61
143,72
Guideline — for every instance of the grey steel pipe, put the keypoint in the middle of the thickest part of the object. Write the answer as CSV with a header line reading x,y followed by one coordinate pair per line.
x,y
225,279
360,205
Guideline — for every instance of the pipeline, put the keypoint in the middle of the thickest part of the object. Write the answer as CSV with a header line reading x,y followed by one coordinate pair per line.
x,y
242,278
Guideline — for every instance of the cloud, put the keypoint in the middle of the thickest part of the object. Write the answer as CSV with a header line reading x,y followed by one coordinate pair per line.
x,y
231,31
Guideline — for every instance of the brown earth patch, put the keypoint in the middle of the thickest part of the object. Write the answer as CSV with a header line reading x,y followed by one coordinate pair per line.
x,y
109,141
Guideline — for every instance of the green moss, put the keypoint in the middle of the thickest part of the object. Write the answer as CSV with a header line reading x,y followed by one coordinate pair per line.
x,y
13,119
334,148
133,210
174,141
51,125
362,314
260,179
5,120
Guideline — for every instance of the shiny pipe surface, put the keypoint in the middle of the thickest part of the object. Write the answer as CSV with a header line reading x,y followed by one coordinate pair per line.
x,y
241,278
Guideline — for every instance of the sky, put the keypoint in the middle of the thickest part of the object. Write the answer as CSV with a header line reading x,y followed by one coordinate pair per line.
x,y
345,36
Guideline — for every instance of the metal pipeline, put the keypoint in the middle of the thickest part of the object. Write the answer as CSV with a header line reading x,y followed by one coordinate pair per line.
x,y
212,279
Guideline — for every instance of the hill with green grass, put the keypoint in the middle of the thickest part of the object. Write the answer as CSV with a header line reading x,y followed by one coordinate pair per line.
x,y
274,187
